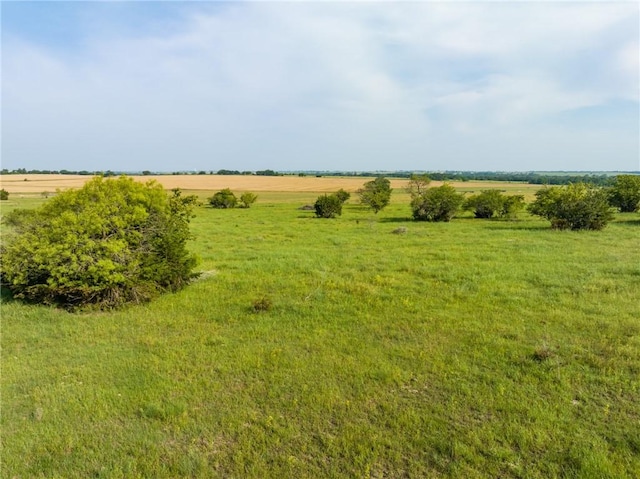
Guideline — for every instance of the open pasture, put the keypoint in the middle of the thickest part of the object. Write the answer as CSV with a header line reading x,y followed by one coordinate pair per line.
x,y
469,349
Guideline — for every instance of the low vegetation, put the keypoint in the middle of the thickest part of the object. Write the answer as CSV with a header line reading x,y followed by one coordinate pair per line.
x,y
339,349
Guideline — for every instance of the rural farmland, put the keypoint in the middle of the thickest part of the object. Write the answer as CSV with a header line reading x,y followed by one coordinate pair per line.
x,y
369,345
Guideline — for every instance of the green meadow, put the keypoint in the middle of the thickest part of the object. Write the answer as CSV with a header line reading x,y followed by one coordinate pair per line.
x,y
470,349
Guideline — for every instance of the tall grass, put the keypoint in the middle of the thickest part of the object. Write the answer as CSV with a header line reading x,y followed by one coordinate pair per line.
x,y
469,349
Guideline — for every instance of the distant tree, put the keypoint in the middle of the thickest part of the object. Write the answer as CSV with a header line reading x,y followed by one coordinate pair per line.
x,y
266,173
146,173
110,242
437,204
328,206
247,199
492,203
578,206
4,194
376,194
624,194
417,185
224,199
343,195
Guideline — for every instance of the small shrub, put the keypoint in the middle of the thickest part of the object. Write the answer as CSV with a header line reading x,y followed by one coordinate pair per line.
x,y
328,206
578,206
247,199
262,305
223,199
4,194
436,204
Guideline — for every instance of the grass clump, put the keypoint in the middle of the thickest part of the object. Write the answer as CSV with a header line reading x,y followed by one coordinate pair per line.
x,y
262,304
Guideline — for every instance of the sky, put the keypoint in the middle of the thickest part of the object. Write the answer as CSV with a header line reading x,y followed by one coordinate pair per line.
x,y
321,86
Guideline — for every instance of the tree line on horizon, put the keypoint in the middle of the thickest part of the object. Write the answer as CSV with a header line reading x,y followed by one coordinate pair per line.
x,y
534,178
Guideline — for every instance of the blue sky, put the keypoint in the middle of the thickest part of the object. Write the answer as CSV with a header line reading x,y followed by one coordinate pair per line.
x,y
170,86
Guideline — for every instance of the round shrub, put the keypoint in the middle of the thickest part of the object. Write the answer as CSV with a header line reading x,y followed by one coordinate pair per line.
x,y
224,199
577,207
328,206
4,194
436,204
111,242
247,199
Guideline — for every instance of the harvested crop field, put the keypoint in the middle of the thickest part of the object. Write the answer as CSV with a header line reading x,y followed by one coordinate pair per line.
x,y
37,184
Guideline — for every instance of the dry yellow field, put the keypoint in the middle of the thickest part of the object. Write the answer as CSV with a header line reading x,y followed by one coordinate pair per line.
x,y
33,185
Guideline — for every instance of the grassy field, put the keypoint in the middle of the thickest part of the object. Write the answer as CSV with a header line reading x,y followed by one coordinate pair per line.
x,y
470,349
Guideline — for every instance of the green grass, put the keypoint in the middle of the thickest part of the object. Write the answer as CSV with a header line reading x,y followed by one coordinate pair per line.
x,y
470,349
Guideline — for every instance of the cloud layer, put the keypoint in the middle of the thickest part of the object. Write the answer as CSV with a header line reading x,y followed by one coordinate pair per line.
x,y
332,86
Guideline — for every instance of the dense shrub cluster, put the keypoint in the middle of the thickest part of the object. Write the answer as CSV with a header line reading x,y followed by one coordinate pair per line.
x,y
111,242
577,207
4,194
493,203
227,199
436,204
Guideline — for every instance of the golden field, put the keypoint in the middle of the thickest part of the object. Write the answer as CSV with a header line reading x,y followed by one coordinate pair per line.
x,y
35,185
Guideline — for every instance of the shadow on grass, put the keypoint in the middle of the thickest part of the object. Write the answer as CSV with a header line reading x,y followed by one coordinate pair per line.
x,y
396,220
628,222
6,296
508,225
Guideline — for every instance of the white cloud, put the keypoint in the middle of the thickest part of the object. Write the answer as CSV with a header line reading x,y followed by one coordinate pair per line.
x,y
324,85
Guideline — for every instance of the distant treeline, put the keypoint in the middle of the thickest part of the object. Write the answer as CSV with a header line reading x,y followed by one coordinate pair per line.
x,y
535,178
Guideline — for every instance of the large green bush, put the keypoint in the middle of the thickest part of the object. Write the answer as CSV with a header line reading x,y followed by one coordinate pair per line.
x,y
577,206
4,194
493,203
436,204
625,193
111,242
